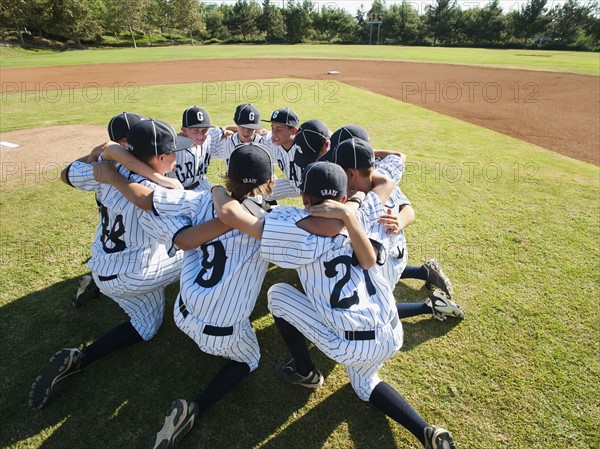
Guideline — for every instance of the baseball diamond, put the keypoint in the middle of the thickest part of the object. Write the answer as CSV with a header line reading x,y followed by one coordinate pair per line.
x,y
279,249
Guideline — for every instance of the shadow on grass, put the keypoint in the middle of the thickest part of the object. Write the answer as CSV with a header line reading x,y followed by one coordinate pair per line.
x,y
120,400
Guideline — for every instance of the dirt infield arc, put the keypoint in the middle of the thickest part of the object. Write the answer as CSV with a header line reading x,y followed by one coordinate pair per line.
x,y
557,111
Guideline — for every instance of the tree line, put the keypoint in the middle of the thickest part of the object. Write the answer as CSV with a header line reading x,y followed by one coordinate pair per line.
x,y
571,25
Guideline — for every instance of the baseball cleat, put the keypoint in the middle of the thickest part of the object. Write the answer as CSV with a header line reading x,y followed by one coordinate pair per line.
x,y
179,420
87,290
63,365
442,306
286,371
438,438
437,278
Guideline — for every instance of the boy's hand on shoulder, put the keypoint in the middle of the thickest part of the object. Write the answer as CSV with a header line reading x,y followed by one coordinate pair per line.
x,y
168,183
98,150
106,172
390,222
329,209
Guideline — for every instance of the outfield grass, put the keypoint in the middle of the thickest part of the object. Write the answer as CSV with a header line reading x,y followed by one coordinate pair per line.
x,y
552,61
515,226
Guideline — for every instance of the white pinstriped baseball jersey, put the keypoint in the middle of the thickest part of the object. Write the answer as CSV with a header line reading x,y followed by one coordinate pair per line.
x,y
191,165
224,148
345,296
133,258
128,239
393,167
221,279
220,282
284,188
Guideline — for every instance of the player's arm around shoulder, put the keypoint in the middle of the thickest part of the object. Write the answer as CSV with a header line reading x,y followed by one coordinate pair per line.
x,y
138,194
329,226
363,249
382,154
122,156
195,236
233,214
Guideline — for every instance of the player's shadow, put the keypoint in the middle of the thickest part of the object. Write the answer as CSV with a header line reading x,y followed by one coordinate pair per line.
x,y
367,427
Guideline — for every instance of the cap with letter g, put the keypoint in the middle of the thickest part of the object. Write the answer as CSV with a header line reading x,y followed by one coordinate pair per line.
x,y
324,180
195,117
285,116
151,137
247,116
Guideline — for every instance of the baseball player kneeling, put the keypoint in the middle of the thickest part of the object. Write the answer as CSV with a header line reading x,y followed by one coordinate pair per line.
x,y
349,313
220,279
133,258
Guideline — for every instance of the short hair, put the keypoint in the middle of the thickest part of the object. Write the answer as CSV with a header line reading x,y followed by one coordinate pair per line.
x,y
240,191
365,172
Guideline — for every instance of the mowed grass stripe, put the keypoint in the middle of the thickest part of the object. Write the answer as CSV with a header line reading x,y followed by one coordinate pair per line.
x,y
586,63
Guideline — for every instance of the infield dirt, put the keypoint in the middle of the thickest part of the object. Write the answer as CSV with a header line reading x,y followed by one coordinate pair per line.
x,y
557,111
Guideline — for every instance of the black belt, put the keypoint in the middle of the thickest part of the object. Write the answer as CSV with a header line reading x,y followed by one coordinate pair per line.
x,y
208,329
192,186
366,335
108,278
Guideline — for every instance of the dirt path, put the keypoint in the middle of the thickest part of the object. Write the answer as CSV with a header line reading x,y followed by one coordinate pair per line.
x,y
557,111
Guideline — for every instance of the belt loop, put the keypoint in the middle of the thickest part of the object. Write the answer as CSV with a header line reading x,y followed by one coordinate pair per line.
x,y
182,307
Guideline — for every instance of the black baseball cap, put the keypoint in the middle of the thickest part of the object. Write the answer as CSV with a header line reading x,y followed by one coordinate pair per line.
x,y
151,137
310,138
285,116
195,117
120,124
348,132
250,164
247,116
352,153
324,180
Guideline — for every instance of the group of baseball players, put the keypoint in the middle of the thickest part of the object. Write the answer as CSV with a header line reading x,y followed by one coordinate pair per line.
x,y
161,220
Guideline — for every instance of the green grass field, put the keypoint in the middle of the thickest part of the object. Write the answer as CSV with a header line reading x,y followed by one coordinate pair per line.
x,y
552,61
515,226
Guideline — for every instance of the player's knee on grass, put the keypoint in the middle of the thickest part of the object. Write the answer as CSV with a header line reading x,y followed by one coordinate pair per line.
x,y
363,385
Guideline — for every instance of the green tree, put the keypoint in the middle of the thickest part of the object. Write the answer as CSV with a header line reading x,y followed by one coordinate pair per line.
x,y
402,23
214,19
591,23
155,18
14,15
485,25
335,23
530,21
442,20
297,22
186,17
125,15
271,22
75,19
567,21
243,19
